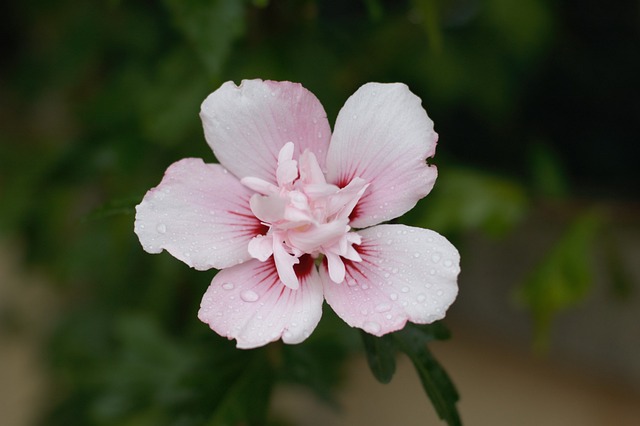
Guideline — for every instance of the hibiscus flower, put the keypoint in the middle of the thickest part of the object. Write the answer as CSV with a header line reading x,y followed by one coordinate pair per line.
x,y
292,214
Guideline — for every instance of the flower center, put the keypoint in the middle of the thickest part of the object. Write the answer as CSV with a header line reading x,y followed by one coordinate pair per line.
x,y
305,215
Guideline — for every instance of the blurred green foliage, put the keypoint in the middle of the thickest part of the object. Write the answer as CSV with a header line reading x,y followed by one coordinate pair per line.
x,y
98,98
563,277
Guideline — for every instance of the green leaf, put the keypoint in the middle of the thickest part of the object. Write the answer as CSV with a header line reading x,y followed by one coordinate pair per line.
x,y
412,340
563,277
120,206
381,356
246,401
549,176
427,10
470,200
211,26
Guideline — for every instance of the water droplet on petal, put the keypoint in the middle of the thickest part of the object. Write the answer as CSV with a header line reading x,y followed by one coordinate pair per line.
x,y
439,293
161,228
227,286
365,286
447,263
371,327
383,307
416,255
249,296
422,297
436,257
393,296
405,289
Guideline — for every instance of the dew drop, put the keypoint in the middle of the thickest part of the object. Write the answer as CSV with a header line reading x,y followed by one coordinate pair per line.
x,y
365,286
351,282
439,292
227,286
422,297
432,272
416,255
435,257
393,296
405,289
161,228
447,263
249,296
383,307
394,271
371,327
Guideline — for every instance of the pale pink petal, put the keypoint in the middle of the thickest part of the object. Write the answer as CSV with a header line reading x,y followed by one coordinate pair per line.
x,y
314,237
268,208
200,214
261,247
247,125
285,263
384,136
259,185
310,171
249,303
335,267
406,274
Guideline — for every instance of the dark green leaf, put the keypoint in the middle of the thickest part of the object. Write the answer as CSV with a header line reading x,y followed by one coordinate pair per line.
x,y
211,26
246,401
121,206
381,356
563,277
469,200
413,340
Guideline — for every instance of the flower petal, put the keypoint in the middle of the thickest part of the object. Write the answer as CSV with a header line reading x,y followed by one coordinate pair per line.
x,y
384,136
406,274
247,125
249,303
200,214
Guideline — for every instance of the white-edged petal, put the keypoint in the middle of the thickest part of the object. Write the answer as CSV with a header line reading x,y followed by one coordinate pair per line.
x,y
249,303
406,274
247,125
384,136
200,214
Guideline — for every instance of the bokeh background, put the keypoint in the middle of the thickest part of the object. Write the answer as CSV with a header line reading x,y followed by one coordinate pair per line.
x,y
537,107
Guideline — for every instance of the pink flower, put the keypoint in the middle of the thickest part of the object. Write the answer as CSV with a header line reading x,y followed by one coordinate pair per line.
x,y
291,214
